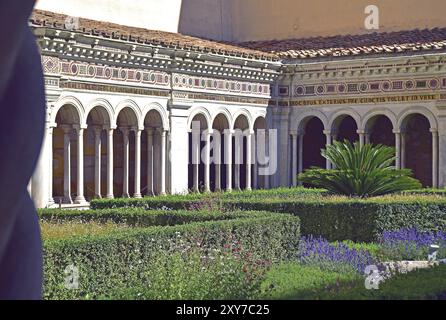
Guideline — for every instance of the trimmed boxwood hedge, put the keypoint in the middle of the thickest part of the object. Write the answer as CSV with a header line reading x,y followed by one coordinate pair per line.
x,y
139,217
334,218
358,220
122,259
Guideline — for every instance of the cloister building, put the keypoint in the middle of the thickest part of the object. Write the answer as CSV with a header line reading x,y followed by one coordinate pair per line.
x,y
121,103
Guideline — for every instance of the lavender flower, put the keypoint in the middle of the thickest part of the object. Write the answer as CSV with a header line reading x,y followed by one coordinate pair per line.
x,y
410,243
334,257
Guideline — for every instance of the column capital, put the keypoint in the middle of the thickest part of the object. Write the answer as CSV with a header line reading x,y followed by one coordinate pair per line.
x,y
328,132
433,130
67,128
396,131
361,131
98,129
293,134
124,130
161,131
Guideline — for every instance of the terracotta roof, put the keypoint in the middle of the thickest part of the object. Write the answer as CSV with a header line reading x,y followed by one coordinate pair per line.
x,y
351,45
40,18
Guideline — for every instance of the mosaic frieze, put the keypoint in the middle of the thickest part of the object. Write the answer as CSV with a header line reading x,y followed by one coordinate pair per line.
x,y
210,84
364,87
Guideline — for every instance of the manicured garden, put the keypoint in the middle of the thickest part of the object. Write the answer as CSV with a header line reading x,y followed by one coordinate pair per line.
x,y
217,246
286,243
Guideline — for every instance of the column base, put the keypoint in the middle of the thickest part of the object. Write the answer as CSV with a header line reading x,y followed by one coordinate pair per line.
x,y
137,196
51,202
150,194
80,200
125,195
162,193
110,196
98,196
67,200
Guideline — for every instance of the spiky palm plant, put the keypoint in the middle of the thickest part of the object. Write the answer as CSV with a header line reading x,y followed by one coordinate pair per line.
x,y
362,171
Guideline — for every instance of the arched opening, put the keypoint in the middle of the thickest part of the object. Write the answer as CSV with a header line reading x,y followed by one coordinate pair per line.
x,y
345,128
151,162
95,154
64,152
259,153
124,153
313,142
416,147
218,153
379,130
196,167
239,147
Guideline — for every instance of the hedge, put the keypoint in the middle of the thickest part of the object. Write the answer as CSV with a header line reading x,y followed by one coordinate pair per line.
x,y
334,218
358,220
293,281
139,217
126,258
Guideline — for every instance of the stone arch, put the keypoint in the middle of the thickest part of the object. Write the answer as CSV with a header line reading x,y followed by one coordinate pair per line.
x,y
204,112
107,117
338,116
225,112
72,101
247,115
376,113
161,111
131,105
405,115
298,123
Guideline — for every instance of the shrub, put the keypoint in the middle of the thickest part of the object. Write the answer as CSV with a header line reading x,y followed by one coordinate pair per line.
x,y
296,281
360,170
137,216
338,219
421,284
130,258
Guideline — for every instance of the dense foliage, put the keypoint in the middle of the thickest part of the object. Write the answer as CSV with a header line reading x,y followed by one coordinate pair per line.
x,y
360,170
294,281
158,255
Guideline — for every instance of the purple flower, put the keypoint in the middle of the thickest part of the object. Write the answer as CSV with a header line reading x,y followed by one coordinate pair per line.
x,y
318,251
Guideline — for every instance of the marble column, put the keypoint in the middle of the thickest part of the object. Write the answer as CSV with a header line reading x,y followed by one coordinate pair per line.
x,y
398,148
267,176
150,190
228,158
367,138
434,158
238,159
80,199
50,165
207,162
137,193
255,166
328,143
361,134
97,161
163,162
196,161
67,129
403,150
294,159
110,164
301,153
217,159
125,168
248,160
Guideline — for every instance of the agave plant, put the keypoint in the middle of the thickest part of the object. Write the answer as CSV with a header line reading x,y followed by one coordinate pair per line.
x,y
362,171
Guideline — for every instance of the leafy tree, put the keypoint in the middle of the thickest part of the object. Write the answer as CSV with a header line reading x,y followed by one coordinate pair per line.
x,y
362,171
